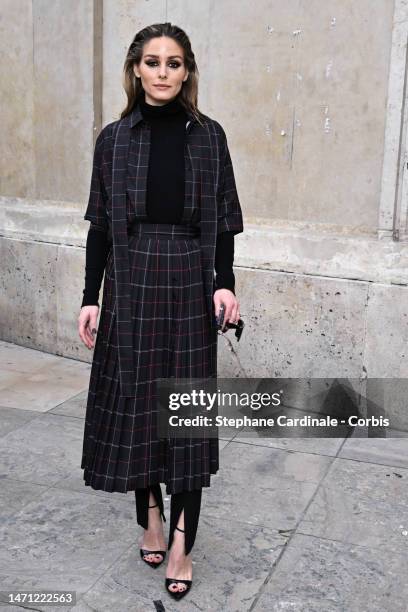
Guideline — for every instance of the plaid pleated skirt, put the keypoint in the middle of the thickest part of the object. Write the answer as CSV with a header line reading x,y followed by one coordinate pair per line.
x,y
171,338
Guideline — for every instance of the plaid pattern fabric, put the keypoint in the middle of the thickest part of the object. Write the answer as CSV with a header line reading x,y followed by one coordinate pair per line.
x,y
171,338
118,195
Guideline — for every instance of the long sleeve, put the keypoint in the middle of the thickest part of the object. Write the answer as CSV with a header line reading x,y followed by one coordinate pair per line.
x,y
224,259
97,248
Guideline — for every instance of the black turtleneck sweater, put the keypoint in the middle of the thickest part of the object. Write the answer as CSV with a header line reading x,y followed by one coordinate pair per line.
x,y
164,197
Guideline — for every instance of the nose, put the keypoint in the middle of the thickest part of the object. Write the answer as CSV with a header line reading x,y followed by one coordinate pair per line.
x,y
163,71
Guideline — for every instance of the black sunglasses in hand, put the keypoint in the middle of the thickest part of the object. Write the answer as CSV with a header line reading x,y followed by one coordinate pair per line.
x,y
239,326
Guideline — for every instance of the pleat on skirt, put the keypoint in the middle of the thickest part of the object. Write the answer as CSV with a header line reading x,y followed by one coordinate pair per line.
x,y
171,338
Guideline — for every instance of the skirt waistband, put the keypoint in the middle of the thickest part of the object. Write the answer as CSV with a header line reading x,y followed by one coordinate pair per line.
x,y
170,230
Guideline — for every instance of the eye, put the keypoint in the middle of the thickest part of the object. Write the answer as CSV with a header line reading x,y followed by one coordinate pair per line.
x,y
172,64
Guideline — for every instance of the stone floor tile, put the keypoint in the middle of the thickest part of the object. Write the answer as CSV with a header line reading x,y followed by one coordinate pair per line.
x,y
319,575
264,486
361,503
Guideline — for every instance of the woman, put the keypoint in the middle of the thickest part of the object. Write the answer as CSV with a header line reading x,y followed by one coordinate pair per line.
x,y
164,210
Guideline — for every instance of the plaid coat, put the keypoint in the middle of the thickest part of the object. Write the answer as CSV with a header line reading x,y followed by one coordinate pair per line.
x,y
120,167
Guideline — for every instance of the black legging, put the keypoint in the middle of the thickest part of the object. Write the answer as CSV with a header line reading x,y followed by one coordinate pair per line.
x,y
190,501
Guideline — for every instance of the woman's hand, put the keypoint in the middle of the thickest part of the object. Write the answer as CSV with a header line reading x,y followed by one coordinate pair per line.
x,y
226,297
87,324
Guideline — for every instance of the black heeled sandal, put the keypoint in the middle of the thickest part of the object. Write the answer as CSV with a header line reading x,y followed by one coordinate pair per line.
x,y
144,551
169,581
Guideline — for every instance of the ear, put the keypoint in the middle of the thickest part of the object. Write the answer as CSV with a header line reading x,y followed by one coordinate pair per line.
x,y
136,71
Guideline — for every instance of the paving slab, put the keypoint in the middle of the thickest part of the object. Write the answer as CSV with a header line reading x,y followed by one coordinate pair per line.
x,y
46,387
63,540
386,451
321,575
361,503
16,494
23,360
42,451
265,486
74,406
13,418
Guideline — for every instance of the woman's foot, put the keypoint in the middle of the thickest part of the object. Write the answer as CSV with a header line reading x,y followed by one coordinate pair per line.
x,y
179,565
153,537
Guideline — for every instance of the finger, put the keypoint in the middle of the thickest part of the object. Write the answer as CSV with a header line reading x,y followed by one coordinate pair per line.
x,y
83,337
89,336
234,313
231,308
93,329
228,311
83,331
87,339
217,305
89,326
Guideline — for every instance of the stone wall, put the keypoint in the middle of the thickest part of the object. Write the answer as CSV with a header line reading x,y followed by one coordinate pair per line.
x,y
311,97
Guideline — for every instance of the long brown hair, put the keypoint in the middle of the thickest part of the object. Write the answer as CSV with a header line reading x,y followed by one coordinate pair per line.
x,y
133,87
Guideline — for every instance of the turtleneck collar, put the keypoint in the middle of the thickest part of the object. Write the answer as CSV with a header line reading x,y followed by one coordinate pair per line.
x,y
153,111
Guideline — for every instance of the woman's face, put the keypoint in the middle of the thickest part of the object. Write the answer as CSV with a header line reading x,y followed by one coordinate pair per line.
x,y
162,63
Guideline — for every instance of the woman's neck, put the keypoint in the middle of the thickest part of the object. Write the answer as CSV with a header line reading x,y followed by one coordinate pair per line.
x,y
163,110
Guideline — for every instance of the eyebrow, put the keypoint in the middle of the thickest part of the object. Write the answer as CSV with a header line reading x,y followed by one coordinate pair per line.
x,y
170,56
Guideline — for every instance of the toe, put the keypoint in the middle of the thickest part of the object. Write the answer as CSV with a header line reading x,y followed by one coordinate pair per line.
x,y
155,557
181,586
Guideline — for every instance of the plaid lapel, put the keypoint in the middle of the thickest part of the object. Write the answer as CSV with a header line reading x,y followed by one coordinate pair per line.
x,y
208,222
121,256
208,235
